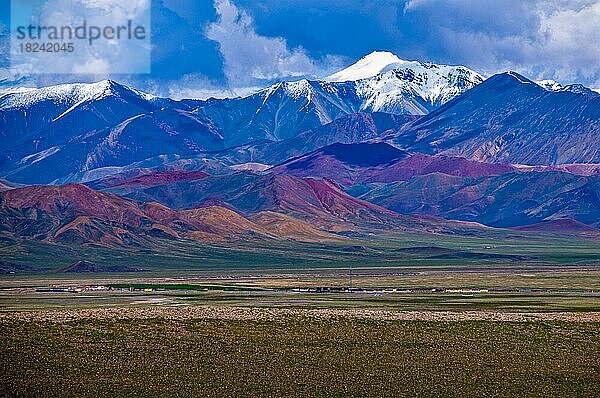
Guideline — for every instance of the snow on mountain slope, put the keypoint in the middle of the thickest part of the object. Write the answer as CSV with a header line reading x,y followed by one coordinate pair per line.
x,y
49,123
27,111
550,85
387,83
368,66
509,118
275,113
68,94
285,109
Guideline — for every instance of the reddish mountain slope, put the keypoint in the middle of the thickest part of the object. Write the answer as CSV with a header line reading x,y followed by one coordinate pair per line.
x,y
5,185
78,214
421,164
320,202
379,162
224,222
288,227
147,178
74,200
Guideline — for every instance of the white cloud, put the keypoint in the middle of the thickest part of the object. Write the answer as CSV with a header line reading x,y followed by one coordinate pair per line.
x,y
104,57
571,40
555,39
191,86
250,57
95,67
198,87
412,5
203,92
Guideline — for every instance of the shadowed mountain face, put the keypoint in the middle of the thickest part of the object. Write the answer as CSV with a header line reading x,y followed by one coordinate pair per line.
x,y
134,139
348,129
364,155
353,164
503,201
509,118
36,125
37,114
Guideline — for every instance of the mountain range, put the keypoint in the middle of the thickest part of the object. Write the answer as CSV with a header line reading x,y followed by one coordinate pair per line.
x,y
85,127
509,118
385,145
77,214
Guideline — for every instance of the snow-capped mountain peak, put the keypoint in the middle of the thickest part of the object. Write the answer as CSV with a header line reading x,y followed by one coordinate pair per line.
x,y
297,89
368,66
388,83
63,93
66,94
550,85
580,89
379,82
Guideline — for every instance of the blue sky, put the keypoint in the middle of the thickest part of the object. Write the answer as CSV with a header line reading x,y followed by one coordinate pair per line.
x,y
231,47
